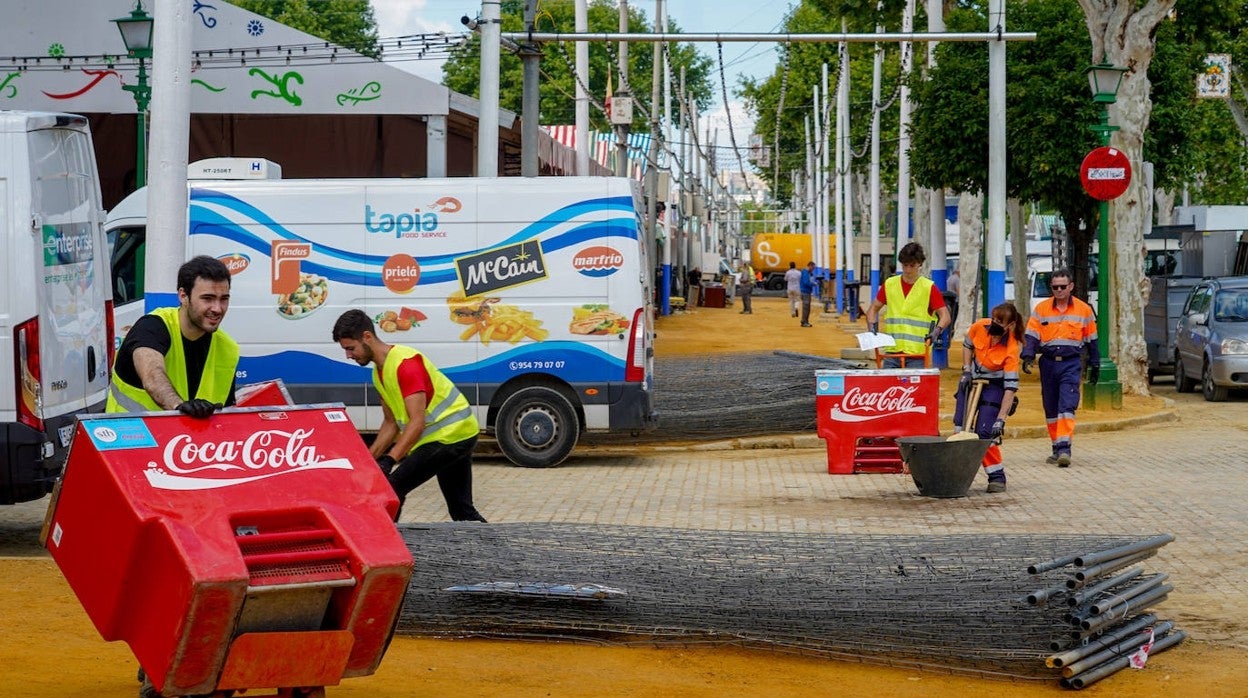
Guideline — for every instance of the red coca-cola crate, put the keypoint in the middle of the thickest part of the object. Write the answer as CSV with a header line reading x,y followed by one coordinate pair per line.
x,y
253,549
860,414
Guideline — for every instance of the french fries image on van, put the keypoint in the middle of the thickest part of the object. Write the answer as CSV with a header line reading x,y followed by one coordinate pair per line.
x,y
489,320
596,318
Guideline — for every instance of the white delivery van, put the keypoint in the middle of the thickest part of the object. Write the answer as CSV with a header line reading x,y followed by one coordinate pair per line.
x,y
55,317
532,295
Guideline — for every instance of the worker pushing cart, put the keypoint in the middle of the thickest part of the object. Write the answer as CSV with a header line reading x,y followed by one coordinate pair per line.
x,y
986,391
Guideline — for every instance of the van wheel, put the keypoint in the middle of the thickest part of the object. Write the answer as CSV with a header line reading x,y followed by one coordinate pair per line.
x,y
1213,393
1182,384
537,427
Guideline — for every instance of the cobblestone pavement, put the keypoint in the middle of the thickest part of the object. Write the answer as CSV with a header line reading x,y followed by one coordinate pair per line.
x,y
1185,477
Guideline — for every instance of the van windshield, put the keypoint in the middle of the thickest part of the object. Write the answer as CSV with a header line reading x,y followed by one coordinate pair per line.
x,y
1231,306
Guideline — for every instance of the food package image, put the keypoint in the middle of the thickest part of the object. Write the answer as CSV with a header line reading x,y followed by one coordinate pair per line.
x,y
490,320
311,294
401,320
597,318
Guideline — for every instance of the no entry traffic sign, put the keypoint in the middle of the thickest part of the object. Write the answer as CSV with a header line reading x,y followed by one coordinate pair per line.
x,y
1105,173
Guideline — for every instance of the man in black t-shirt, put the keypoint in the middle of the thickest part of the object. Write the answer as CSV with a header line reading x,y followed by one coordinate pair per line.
x,y
195,375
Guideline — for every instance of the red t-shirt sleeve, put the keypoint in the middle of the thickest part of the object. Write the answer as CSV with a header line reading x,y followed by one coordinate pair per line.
x,y
413,378
879,295
936,302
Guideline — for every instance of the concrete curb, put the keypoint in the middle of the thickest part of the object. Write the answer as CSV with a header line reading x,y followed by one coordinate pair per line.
x,y
810,441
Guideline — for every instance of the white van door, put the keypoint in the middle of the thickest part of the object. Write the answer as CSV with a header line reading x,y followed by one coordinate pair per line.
x,y
71,289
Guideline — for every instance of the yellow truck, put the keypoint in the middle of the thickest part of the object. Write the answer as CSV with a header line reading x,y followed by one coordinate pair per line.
x,y
770,253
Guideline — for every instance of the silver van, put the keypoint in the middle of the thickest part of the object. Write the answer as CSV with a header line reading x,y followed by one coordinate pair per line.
x,y
55,300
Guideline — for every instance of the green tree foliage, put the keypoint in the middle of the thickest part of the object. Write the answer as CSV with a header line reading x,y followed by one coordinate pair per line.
x,y
799,69
348,23
462,72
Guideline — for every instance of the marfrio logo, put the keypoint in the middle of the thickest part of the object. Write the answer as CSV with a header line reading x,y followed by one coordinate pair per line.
x,y
236,262
598,261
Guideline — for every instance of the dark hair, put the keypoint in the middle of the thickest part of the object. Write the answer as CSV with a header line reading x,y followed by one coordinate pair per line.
x,y
1012,315
911,253
792,265
352,325
1062,272
202,267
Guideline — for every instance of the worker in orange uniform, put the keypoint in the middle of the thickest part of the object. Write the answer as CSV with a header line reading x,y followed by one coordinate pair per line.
x,y
991,352
1062,330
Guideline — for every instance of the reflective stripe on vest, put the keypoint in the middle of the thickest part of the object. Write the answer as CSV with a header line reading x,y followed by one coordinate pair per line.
x,y
907,319
214,384
448,416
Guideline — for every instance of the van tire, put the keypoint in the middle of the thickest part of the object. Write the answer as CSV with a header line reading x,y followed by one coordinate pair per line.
x,y
537,427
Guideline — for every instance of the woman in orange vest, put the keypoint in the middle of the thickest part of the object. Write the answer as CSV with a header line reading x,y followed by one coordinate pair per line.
x,y
990,352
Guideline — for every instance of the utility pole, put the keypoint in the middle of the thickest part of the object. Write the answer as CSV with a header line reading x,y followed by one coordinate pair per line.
x,y
530,60
622,118
652,171
582,92
487,132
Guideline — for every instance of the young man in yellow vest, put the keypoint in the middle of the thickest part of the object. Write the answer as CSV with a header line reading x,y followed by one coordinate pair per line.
x,y
427,428
913,303
195,373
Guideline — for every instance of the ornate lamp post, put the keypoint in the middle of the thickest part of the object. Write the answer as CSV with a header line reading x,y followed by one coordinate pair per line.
x,y
1104,80
136,32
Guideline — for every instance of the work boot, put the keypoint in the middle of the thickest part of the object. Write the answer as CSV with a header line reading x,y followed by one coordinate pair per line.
x,y
996,483
1063,460
1051,460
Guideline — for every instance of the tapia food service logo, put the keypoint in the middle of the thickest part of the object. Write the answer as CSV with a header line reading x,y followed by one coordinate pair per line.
x,y
204,465
598,261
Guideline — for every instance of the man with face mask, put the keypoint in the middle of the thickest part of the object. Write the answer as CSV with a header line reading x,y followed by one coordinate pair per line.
x,y
428,428
179,358
1062,330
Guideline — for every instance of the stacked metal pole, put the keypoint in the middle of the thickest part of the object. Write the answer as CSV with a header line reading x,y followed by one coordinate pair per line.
x,y
1107,629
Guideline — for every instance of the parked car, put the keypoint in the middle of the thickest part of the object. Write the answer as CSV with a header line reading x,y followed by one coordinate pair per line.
x,y
1211,338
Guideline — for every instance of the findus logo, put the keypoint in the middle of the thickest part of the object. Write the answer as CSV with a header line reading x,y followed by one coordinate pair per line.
x,y
598,261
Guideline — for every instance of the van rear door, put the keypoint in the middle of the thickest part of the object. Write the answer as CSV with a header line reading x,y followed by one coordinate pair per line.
x,y
71,284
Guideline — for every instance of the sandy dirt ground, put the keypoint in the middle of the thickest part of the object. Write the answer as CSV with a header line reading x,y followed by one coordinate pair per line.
x,y
51,650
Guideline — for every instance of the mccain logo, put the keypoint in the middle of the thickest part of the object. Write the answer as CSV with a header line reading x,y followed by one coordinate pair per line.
x,y
501,267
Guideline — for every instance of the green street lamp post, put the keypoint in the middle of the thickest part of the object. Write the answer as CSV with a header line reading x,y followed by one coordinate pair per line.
x,y
1104,80
136,32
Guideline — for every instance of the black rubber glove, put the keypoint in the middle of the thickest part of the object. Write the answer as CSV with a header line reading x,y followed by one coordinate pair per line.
x,y
998,428
386,463
1094,373
873,327
198,408
1027,364
964,381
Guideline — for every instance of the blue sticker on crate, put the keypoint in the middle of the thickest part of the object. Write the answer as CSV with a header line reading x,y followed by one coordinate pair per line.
x,y
830,385
116,434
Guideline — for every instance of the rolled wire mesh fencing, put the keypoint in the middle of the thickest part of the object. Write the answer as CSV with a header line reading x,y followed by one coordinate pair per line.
x,y
959,603
734,395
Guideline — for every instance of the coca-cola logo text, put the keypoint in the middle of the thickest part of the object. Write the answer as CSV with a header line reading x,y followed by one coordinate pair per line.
x,y
191,465
858,405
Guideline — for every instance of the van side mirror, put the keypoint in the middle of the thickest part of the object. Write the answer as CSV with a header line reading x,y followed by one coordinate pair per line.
x,y
1200,318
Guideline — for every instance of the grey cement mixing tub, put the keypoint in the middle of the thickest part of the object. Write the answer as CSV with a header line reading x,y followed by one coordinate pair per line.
x,y
942,468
